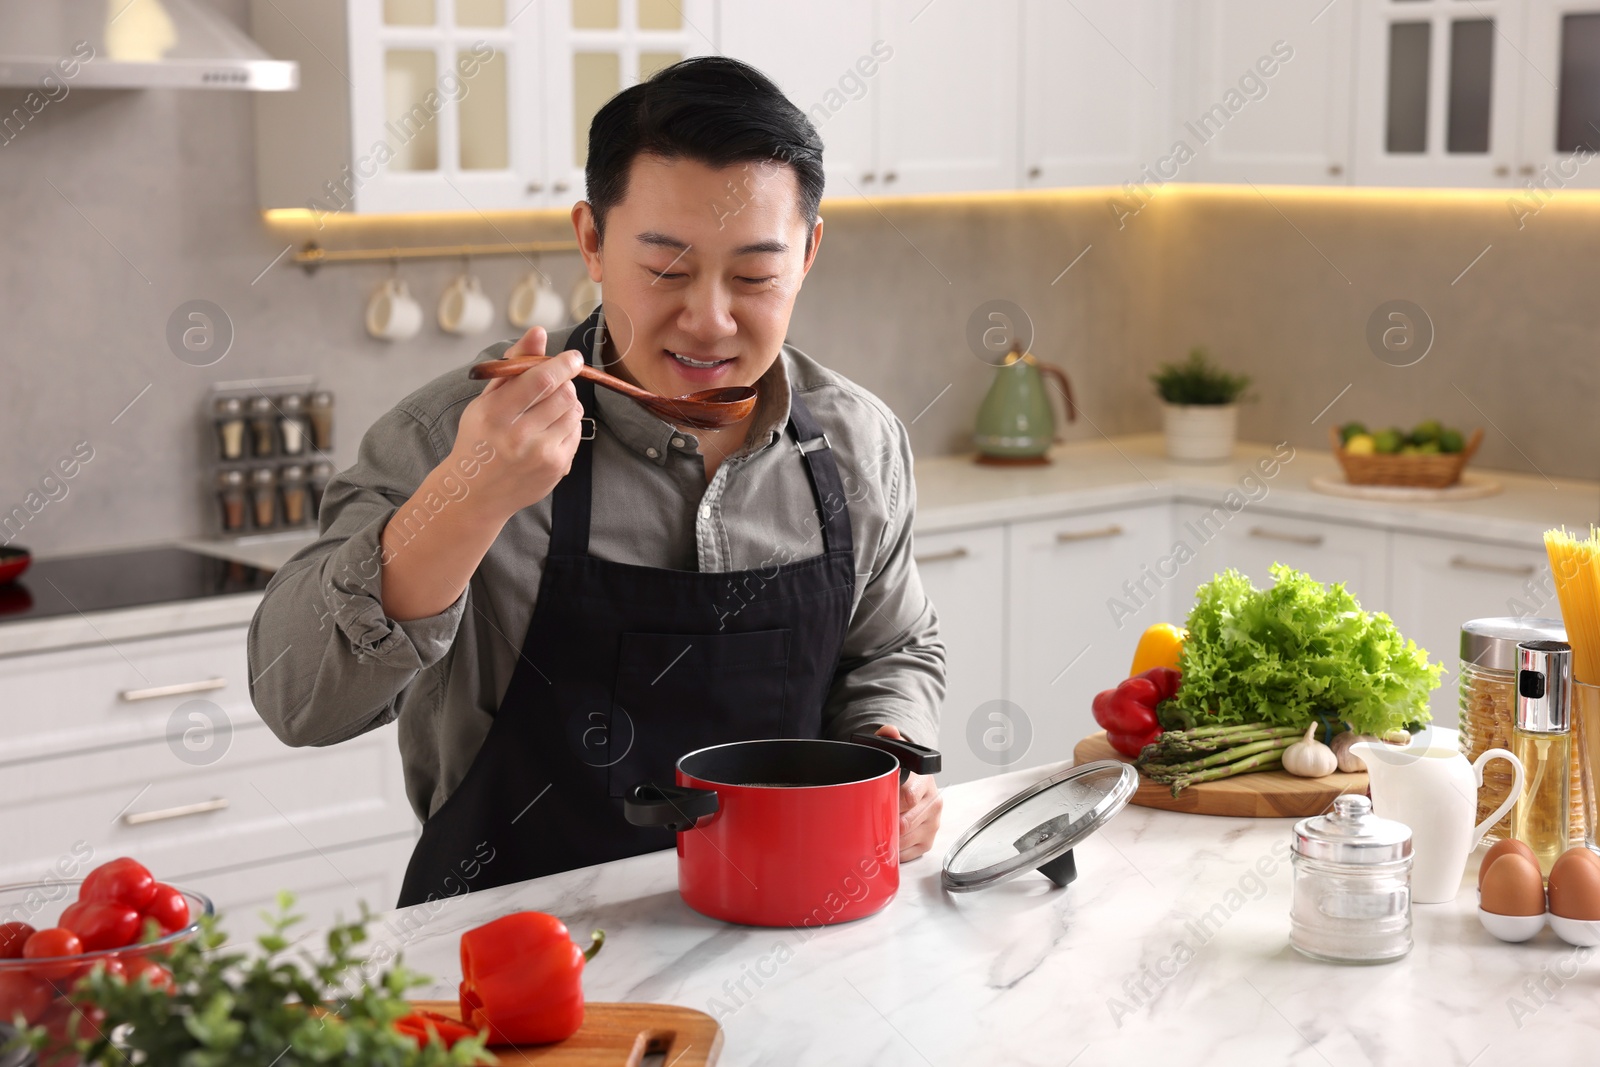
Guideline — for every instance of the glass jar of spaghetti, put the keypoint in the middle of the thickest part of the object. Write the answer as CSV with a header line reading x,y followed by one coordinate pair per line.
x,y
1489,708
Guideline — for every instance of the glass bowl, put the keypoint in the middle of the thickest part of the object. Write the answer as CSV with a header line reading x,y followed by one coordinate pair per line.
x,y
36,989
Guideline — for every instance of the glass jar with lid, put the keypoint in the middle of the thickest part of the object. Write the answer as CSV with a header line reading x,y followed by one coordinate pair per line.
x,y
1352,885
1488,708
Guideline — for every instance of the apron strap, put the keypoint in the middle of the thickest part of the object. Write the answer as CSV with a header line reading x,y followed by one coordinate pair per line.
x,y
826,485
571,500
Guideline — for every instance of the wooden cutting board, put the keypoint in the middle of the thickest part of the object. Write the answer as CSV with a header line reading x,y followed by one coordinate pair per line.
x,y
1258,795
618,1035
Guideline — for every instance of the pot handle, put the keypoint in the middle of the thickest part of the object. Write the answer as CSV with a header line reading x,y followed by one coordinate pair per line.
x,y
912,757
671,807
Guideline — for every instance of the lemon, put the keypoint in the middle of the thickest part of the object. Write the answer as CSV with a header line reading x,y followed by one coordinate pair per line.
x,y
1361,444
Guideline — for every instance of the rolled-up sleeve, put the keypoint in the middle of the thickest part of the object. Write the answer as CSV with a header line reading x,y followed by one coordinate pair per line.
x,y
326,662
891,669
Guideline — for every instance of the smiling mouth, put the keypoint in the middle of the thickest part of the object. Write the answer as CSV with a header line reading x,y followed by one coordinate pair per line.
x,y
698,364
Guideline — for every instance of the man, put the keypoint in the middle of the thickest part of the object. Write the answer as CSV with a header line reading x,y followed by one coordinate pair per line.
x,y
557,593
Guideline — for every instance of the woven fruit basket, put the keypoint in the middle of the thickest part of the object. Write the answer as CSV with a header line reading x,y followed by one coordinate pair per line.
x,y
1430,471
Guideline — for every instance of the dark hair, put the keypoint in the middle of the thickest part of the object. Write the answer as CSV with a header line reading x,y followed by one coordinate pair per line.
x,y
711,109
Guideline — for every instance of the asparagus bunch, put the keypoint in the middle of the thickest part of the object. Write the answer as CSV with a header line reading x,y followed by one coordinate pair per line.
x,y
1207,753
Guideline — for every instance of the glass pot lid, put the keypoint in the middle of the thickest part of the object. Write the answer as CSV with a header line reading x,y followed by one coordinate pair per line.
x,y
1038,828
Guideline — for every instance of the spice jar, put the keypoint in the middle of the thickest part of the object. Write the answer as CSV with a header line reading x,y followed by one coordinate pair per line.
x,y
1352,885
230,494
296,497
264,497
1488,695
230,427
263,427
321,472
292,424
321,409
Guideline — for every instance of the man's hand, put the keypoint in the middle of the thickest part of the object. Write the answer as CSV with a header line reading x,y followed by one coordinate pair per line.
x,y
920,805
533,423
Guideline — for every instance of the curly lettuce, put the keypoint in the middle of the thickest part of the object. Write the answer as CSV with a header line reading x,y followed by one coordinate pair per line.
x,y
1299,651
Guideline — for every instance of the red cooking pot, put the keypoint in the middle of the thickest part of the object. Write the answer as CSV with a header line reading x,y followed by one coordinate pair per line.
x,y
786,832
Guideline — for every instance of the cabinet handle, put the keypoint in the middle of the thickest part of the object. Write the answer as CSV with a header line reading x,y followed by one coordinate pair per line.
x,y
1335,169
1068,536
559,187
958,552
1516,570
1501,170
891,176
536,187
155,692
182,811
1525,169
1293,538
1034,172
868,178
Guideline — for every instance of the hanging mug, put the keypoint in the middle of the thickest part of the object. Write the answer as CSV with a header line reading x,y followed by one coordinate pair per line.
x,y
585,297
392,313
464,308
534,302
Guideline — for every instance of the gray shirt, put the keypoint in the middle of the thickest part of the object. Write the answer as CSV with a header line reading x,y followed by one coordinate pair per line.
x,y
327,664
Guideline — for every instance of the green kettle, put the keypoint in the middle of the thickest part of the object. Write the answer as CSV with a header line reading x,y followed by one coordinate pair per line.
x,y
1015,422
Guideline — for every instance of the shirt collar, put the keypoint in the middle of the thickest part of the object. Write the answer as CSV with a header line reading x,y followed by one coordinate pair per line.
x,y
652,437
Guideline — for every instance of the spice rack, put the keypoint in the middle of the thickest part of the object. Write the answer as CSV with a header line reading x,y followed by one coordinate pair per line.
x,y
270,439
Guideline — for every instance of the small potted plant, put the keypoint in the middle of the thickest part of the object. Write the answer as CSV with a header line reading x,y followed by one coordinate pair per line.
x,y
1199,408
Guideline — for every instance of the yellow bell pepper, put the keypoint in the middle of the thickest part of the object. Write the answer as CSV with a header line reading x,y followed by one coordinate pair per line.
x,y
1159,646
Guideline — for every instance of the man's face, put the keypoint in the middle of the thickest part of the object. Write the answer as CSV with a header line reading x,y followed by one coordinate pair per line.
x,y
700,267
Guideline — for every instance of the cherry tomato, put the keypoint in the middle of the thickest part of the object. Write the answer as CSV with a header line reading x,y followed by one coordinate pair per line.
x,y
100,925
120,881
136,967
168,907
24,994
12,937
65,1022
50,944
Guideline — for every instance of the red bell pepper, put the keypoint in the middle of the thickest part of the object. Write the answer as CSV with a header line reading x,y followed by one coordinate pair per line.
x,y
419,1024
522,979
1128,712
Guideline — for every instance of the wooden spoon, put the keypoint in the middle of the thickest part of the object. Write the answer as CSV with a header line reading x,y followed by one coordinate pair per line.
x,y
708,409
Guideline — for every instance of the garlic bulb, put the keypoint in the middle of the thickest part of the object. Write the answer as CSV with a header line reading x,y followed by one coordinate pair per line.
x,y
1310,758
1349,761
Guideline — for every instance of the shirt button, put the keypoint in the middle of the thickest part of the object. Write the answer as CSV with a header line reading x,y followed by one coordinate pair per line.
x,y
705,511
677,442
652,453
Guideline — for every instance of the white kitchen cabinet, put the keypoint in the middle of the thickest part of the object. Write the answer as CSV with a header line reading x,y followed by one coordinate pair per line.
x,y
1082,588
1096,90
828,57
1442,582
948,113
1560,95
1438,91
1265,91
451,105
1251,541
964,575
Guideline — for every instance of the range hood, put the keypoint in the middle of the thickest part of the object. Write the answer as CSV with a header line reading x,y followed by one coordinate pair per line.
x,y
132,44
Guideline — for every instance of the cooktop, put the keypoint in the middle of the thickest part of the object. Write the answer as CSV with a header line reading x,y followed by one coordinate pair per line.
x,y
108,580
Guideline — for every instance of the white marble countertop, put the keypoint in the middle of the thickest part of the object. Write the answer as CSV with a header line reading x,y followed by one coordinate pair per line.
x,y
1122,967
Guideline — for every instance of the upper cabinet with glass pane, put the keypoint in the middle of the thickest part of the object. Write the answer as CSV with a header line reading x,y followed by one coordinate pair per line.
x,y
454,105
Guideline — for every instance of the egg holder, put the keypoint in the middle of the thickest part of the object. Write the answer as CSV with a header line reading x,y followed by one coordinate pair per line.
x,y
1581,932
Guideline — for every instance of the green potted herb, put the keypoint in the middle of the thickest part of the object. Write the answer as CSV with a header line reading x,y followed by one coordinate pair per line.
x,y
1199,408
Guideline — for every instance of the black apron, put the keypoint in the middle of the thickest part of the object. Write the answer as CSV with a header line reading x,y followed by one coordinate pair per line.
x,y
623,670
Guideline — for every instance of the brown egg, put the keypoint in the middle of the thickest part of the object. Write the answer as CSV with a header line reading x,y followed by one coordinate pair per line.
x,y
1575,885
1500,848
1512,886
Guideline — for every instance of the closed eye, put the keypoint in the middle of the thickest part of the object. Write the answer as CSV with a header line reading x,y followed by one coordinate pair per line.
x,y
758,281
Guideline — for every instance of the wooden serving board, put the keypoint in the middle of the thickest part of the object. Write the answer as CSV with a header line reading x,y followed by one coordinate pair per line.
x,y
617,1035
1257,795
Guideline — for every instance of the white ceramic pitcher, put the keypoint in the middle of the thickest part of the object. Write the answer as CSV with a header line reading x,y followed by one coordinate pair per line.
x,y
1430,786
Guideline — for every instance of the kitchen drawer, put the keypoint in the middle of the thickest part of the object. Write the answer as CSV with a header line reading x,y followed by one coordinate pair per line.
x,y
1250,541
328,885
964,575
64,701
1441,582
259,800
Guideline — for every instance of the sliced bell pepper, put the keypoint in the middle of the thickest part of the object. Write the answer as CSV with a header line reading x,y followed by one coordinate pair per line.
x,y
1160,646
419,1024
522,979
1128,712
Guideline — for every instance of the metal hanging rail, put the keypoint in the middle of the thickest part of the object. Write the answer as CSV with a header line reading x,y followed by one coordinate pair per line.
x,y
312,255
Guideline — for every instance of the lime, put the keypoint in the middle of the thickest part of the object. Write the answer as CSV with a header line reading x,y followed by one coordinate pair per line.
x,y
1426,431
1450,441
1351,429
1387,442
